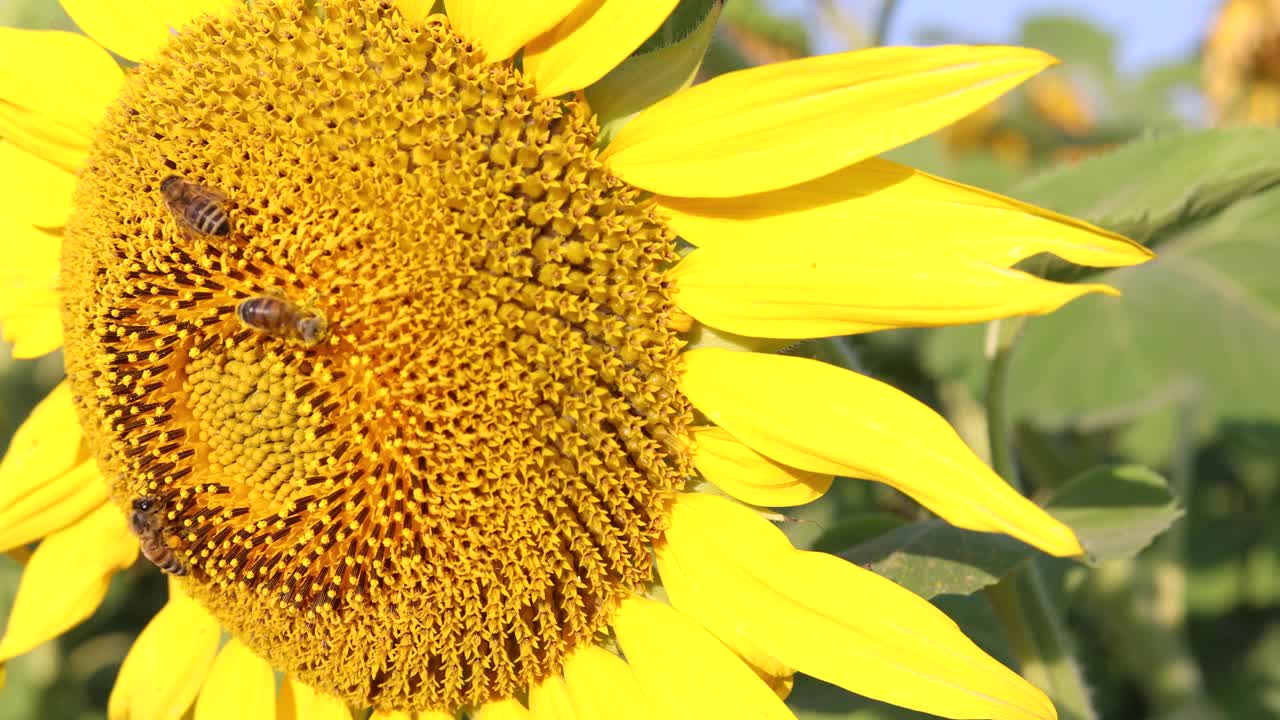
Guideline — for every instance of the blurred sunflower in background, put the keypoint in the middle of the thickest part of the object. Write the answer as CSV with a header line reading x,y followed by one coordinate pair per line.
x,y
1052,106
526,400
1242,63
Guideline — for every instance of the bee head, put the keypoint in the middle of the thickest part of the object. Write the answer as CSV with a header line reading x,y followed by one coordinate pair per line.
x,y
167,182
143,504
312,329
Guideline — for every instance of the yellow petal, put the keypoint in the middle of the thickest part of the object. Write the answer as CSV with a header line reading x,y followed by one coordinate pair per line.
x,y
66,579
683,595
30,312
501,27
782,124
45,445
601,685
549,700
128,28
837,622
822,418
54,87
45,485
38,134
240,685
591,41
32,190
751,477
168,662
299,701
684,672
415,10
62,501
501,710
176,14
401,715
822,287
878,202
424,715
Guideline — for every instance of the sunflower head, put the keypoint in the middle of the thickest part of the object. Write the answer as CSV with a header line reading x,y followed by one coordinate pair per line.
x,y
390,359
453,490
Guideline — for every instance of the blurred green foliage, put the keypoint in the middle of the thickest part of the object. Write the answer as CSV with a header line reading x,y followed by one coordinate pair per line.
x,y
1180,375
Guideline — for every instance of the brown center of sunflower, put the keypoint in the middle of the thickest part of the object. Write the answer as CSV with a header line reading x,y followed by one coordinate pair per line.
x,y
453,488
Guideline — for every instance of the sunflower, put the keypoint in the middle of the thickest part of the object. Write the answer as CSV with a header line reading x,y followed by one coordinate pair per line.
x,y
1241,65
456,500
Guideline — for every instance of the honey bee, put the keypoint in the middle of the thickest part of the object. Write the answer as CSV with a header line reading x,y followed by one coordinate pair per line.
x,y
197,208
279,317
144,520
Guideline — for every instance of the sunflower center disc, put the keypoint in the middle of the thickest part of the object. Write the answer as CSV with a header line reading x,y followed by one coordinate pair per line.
x,y
438,501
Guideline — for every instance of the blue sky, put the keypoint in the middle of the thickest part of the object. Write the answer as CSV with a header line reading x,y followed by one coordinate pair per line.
x,y
1149,32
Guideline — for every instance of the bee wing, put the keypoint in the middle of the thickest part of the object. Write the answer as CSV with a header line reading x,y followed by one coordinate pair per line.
x,y
213,194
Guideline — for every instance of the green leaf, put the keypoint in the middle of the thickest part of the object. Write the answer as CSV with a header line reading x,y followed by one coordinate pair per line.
x,y
851,531
1150,187
1197,330
933,558
1115,511
665,64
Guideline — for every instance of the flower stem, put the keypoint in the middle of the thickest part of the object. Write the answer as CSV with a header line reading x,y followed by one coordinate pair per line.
x,y
883,20
1021,600
1000,343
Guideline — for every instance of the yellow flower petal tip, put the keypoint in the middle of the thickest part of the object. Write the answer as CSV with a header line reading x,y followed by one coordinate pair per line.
x,y
832,619
821,287
822,418
922,212
783,124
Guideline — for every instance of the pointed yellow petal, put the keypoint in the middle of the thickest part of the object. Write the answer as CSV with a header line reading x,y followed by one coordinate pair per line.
x,y
64,77
66,579
45,445
878,202
45,485
778,125
501,710
751,477
38,134
821,287
168,662
501,27
684,671
549,700
30,312
299,701
591,41
402,715
61,501
177,14
819,417
32,190
602,686
678,586
128,28
54,86
240,685
835,621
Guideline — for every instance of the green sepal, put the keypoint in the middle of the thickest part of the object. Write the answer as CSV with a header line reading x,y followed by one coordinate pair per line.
x,y
665,64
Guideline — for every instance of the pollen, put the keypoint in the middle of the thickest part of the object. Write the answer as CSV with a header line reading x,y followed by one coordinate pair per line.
x,y
439,500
